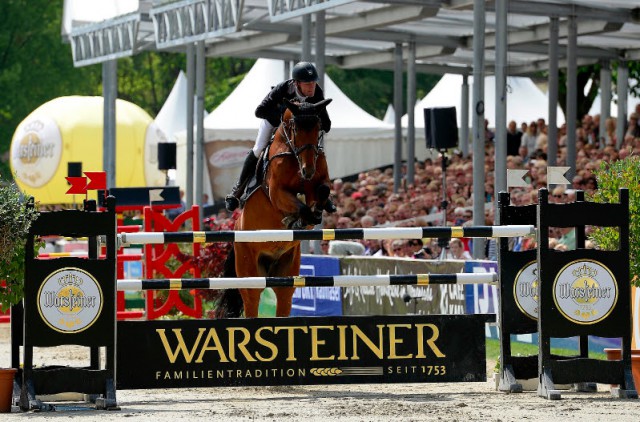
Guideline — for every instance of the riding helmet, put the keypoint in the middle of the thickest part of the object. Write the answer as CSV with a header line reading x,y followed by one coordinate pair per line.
x,y
304,72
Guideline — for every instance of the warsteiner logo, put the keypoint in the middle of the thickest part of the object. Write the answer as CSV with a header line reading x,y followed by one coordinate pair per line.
x,y
36,150
585,292
525,290
70,300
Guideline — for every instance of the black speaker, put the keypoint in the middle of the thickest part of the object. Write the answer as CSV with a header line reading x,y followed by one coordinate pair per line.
x,y
166,156
441,127
74,169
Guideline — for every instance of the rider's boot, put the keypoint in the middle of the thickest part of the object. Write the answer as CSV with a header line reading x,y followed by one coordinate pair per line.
x,y
232,201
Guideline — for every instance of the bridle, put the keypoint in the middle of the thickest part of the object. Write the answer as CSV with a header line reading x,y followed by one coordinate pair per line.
x,y
290,140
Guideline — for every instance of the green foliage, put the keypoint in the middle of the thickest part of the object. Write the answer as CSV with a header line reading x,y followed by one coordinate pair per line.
x,y
373,89
611,177
526,349
584,101
16,217
35,65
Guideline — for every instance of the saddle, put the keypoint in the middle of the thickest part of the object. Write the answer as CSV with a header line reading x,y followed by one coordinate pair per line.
x,y
258,177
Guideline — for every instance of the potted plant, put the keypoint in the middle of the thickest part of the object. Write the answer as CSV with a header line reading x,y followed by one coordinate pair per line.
x,y
611,177
16,215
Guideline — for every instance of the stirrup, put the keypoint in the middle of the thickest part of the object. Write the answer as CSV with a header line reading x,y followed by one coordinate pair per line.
x,y
231,203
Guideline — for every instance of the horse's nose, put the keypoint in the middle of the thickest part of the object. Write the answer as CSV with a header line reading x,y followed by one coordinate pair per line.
x,y
308,172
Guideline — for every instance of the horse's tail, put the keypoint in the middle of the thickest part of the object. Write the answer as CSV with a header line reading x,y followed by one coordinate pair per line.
x,y
230,303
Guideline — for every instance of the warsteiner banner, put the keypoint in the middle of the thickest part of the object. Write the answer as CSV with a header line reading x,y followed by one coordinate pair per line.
x,y
305,350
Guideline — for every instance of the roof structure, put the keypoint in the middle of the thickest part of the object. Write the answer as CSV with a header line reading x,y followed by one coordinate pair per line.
x,y
358,34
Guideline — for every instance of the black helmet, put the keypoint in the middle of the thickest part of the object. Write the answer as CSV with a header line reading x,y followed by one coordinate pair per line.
x,y
304,72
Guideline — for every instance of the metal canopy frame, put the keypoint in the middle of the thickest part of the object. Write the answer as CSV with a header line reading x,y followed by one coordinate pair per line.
x,y
363,34
468,37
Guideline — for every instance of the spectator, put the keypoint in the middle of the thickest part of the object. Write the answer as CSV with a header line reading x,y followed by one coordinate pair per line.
x,y
324,247
399,248
514,139
633,130
456,250
529,139
567,237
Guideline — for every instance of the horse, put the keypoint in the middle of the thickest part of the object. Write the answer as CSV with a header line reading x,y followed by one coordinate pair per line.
x,y
293,193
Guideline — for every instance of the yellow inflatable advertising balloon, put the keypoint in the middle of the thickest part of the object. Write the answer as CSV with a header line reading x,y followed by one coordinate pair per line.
x,y
69,130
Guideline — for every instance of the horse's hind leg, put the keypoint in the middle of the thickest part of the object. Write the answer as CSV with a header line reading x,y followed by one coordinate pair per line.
x,y
251,300
285,298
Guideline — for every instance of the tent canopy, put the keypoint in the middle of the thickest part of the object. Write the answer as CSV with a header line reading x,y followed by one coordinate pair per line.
x,y
525,101
234,119
357,141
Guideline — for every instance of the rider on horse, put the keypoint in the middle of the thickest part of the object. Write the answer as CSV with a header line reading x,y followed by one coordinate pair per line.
x,y
302,87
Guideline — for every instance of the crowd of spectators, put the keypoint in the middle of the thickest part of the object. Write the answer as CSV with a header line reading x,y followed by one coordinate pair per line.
x,y
369,201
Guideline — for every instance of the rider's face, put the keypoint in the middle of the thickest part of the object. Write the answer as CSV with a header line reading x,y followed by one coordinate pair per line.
x,y
307,88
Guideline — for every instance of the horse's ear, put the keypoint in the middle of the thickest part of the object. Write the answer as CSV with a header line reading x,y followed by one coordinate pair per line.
x,y
324,103
292,106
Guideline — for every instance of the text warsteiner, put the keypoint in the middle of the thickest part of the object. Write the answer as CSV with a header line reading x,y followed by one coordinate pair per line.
x,y
301,351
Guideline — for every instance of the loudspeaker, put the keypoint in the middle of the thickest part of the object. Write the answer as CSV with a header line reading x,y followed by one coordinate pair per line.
x,y
441,127
74,169
166,156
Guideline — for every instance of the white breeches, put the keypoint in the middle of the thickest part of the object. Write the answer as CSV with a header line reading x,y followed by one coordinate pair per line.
x,y
264,136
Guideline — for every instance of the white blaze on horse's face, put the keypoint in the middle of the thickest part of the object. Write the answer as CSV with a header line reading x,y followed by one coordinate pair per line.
x,y
306,145
302,137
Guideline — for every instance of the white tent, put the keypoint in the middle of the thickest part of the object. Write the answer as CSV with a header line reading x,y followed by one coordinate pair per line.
x,y
357,140
631,105
525,102
389,115
172,119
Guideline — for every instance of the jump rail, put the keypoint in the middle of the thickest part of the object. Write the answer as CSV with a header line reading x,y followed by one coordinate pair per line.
x,y
85,254
325,234
310,281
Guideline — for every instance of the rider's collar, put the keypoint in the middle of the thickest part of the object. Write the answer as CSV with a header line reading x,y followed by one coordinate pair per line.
x,y
301,98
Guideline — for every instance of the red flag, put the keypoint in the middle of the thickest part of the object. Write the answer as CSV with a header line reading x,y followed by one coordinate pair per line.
x,y
78,185
97,180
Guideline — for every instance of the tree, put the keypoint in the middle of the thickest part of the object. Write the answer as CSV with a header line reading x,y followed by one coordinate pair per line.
x,y
373,89
35,66
591,74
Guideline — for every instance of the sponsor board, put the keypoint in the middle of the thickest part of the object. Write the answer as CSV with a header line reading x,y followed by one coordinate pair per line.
x,y
304,350
70,300
585,291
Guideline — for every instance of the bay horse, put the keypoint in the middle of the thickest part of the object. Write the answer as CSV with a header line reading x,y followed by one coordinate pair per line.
x,y
294,191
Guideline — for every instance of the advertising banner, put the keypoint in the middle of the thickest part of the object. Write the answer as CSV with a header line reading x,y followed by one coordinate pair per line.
x,y
297,351
318,301
390,300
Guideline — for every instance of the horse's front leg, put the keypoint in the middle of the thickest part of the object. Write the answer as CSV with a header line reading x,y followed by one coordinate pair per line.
x,y
297,214
323,203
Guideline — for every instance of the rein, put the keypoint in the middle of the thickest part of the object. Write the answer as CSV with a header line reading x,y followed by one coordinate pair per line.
x,y
290,142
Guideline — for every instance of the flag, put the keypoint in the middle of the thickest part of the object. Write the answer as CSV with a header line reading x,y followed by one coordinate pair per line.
x,y
97,180
78,185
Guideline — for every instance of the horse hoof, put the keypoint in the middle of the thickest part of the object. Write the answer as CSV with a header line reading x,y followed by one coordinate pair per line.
x,y
317,217
288,222
330,207
231,203
298,225
323,192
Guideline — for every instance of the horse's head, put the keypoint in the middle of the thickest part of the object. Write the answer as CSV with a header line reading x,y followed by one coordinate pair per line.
x,y
301,128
